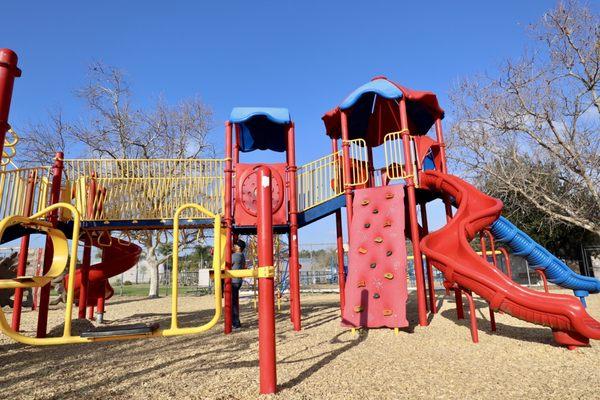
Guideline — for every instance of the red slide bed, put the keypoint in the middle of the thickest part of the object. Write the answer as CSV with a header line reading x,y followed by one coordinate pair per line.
x,y
376,290
448,249
116,259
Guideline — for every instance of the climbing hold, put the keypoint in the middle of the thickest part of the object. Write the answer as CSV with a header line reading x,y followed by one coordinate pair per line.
x,y
375,211
365,202
361,284
389,253
389,275
387,223
376,296
358,308
362,250
367,225
378,239
387,313
389,195
373,265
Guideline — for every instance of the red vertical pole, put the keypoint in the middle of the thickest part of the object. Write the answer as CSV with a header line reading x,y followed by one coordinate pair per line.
x,y
340,243
472,317
87,252
347,170
296,310
57,170
542,275
412,209
228,224
432,304
266,286
440,138
506,261
23,252
482,235
84,282
340,256
490,237
101,301
8,72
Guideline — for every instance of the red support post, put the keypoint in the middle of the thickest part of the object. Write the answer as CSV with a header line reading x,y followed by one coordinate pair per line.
x,y
266,285
340,258
472,316
23,252
8,72
490,238
340,244
87,253
57,170
228,225
506,261
347,168
412,209
542,275
460,312
432,303
296,311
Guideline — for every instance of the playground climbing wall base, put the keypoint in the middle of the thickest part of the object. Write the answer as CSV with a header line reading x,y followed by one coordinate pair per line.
x,y
376,286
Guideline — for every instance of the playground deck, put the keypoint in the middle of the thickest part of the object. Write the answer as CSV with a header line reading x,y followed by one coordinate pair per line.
x,y
323,361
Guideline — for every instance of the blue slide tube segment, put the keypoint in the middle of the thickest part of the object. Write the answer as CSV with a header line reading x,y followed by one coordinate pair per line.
x,y
538,257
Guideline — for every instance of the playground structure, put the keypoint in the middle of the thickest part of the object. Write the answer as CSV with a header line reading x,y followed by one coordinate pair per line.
x,y
86,200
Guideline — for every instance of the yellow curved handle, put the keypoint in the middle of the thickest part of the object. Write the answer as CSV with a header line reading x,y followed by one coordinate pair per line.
x,y
217,257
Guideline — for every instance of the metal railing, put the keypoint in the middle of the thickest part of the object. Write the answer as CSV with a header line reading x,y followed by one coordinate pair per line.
x,y
139,189
319,181
394,156
13,189
359,162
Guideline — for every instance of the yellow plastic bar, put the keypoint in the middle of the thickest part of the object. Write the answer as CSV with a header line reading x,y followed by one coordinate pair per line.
x,y
217,261
319,181
359,159
150,188
61,254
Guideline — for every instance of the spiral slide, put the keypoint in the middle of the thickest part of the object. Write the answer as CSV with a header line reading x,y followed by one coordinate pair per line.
x,y
449,251
116,259
538,257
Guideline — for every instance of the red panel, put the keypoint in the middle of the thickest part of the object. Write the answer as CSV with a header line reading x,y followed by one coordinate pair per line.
x,y
245,194
376,289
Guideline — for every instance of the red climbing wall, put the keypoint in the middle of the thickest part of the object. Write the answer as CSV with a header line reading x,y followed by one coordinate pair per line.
x,y
376,289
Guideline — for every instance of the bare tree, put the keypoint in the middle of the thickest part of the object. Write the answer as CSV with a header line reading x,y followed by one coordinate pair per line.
x,y
116,129
539,116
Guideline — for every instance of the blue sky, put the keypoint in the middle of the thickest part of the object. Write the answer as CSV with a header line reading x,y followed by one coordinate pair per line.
x,y
304,55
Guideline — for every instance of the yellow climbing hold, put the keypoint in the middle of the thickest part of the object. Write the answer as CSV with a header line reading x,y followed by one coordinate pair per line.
x,y
378,239
358,309
388,275
365,202
362,250
387,313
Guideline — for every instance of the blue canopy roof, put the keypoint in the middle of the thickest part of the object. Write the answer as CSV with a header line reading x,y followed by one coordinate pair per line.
x,y
378,86
262,128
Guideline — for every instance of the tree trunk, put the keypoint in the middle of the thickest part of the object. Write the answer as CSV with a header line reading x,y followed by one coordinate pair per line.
x,y
153,266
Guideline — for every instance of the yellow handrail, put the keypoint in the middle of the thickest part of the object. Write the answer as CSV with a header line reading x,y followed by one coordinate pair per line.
x,y
319,181
142,189
60,253
359,162
394,156
217,261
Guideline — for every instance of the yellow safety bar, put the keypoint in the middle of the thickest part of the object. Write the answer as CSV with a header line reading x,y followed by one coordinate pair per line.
x,y
218,264
394,155
359,162
59,263
319,181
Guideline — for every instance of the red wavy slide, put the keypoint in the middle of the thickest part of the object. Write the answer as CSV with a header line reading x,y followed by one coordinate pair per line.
x,y
448,249
116,259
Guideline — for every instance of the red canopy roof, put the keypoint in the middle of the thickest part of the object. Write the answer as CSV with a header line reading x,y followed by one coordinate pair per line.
x,y
373,114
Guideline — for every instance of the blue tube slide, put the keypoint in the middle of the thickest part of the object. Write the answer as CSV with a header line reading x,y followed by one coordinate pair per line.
x,y
538,257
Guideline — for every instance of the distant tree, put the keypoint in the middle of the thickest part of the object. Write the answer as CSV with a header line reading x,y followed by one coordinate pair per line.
x,y
532,130
114,128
